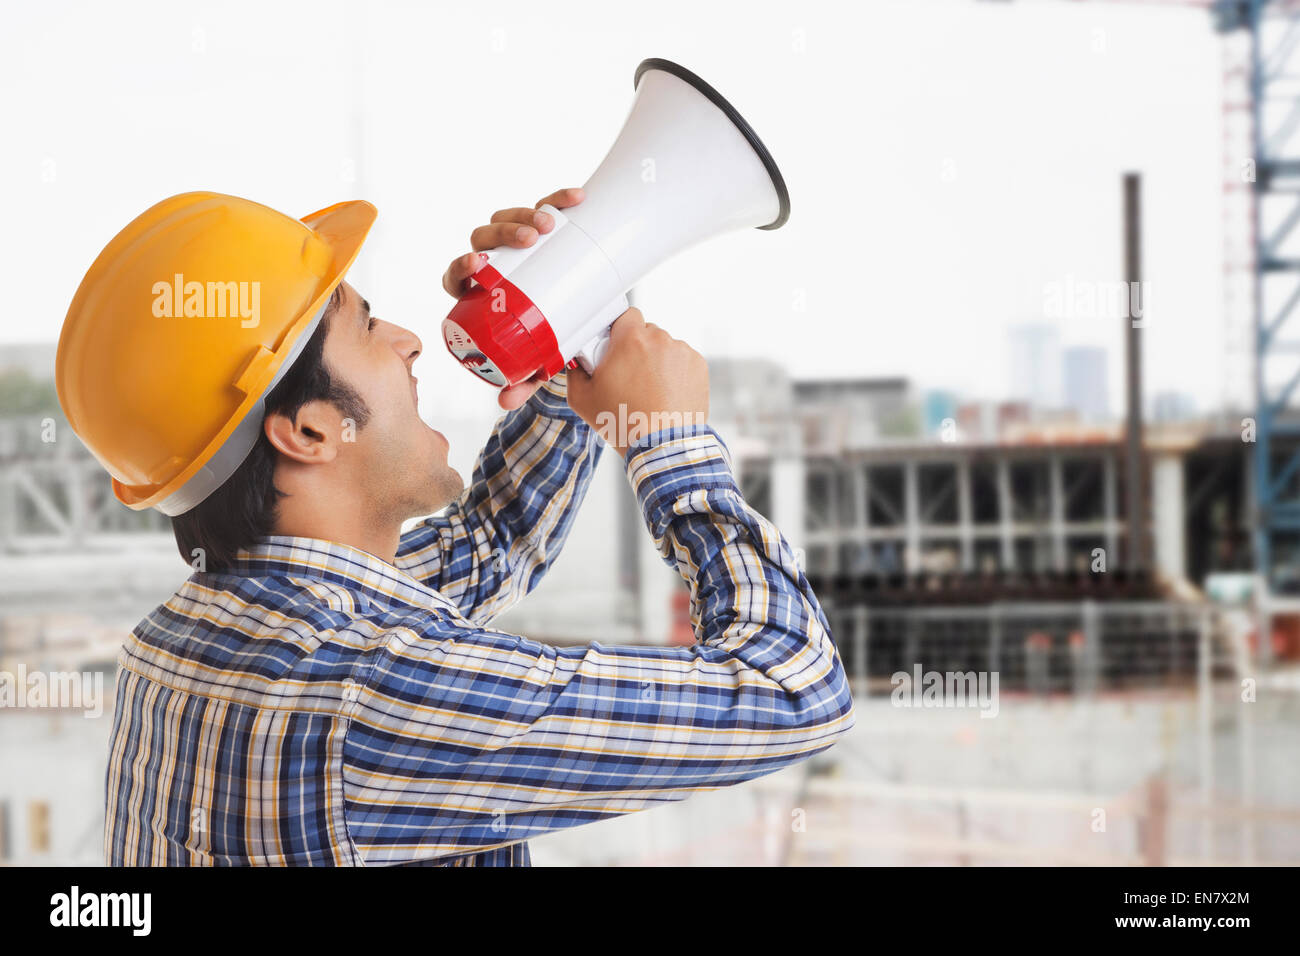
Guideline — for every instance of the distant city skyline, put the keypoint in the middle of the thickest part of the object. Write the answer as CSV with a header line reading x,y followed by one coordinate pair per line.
x,y
1035,360
1085,371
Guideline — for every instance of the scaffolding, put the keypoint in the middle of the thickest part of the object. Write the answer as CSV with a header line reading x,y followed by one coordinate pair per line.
x,y
1272,28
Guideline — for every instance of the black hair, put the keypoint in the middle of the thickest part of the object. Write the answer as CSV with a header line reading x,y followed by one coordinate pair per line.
x,y
243,509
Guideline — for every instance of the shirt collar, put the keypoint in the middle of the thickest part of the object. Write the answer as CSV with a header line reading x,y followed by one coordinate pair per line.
x,y
341,564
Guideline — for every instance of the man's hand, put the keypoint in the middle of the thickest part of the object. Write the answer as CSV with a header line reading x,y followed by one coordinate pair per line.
x,y
647,380
519,228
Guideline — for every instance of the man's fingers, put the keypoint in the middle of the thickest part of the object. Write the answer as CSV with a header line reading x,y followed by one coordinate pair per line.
x,y
541,221
562,198
453,280
625,324
517,227
502,234
512,396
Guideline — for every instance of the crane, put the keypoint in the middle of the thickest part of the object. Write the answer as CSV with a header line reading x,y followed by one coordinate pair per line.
x,y
1261,263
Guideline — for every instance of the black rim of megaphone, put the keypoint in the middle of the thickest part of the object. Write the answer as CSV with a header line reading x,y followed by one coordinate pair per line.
x,y
720,101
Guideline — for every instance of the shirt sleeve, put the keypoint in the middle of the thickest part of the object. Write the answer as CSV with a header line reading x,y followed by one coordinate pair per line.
x,y
484,738
493,544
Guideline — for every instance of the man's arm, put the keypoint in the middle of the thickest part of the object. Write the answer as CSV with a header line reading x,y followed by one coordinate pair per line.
x,y
492,545
484,738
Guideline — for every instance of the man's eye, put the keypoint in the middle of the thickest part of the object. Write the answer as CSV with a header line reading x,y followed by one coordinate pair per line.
x,y
371,326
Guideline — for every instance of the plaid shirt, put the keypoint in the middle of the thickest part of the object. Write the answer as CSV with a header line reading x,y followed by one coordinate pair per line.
x,y
317,705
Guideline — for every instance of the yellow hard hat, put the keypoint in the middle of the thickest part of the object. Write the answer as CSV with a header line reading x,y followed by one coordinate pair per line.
x,y
183,324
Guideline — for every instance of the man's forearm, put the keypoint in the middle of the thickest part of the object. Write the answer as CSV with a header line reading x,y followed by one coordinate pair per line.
x,y
742,571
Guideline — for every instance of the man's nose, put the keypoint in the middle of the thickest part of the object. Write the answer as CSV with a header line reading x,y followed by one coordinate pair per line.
x,y
407,344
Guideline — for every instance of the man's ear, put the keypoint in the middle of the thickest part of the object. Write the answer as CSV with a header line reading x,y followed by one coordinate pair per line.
x,y
312,437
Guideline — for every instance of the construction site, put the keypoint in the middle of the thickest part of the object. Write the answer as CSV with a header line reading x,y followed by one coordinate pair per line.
x,y
1116,588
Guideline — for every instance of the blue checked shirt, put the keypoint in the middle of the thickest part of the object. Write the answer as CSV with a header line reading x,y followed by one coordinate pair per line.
x,y
317,705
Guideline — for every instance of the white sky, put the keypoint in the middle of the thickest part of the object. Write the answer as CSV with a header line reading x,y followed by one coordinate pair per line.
x,y
442,113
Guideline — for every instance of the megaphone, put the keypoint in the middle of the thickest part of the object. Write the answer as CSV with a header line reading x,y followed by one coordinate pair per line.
x,y
685,167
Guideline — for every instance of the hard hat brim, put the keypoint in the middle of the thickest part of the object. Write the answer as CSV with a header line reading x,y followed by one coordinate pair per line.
x,y
343,227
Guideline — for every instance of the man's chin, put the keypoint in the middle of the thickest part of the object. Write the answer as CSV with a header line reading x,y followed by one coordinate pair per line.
x,y
442,488
448,486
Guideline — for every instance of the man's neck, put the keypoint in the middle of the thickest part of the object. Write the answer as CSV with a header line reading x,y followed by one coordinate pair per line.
x,y
357,530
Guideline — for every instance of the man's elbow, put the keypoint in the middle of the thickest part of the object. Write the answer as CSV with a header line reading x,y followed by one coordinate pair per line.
x,y
832,713
843,702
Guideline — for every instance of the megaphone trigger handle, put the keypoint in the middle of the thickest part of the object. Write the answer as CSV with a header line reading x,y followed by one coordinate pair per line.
x,y
590,355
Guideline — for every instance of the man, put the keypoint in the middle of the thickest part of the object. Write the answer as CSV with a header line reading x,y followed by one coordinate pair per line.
x,y
327,690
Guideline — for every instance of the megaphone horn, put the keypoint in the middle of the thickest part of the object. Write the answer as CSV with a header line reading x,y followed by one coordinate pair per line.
x,y
685,167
